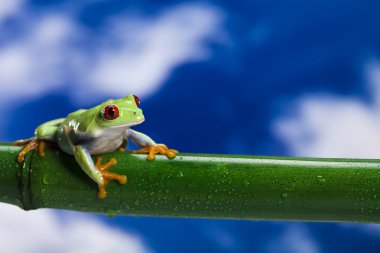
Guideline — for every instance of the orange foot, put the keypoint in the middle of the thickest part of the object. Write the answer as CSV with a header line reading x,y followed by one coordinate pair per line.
x,y
152,150
121,149
107,176
29,145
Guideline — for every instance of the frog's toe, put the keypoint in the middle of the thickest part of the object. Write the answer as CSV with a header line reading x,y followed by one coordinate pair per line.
x,y
41,148
22,142
152,150
121,149
107,176
28,146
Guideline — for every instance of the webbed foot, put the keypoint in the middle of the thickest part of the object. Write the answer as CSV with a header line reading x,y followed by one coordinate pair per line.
x,y
107,176
29,145
152,150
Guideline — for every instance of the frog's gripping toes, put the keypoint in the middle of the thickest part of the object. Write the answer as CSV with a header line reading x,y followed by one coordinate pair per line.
x,y
28,146
152,150
107,176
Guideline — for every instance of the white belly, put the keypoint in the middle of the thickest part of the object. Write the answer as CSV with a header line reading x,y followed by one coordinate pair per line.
x,y
107,141
103,145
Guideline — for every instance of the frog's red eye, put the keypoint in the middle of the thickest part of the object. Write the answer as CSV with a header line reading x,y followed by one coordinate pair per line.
x,y
137,100
111,112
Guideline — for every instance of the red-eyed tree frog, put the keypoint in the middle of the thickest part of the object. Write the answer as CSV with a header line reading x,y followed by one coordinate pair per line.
x,y
101,129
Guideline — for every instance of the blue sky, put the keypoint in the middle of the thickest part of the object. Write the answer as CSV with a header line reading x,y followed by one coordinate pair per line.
x,y
259,77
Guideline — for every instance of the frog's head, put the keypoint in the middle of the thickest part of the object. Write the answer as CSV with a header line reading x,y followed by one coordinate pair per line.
x,y
120,112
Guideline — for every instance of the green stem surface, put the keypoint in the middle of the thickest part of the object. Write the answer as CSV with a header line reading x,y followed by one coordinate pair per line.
x,y
200,185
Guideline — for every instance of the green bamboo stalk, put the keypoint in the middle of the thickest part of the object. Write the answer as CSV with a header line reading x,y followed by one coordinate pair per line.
x,y
200,185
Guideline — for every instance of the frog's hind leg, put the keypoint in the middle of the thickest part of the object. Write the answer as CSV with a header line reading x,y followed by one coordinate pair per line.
x,y
48,130
32,144
45,135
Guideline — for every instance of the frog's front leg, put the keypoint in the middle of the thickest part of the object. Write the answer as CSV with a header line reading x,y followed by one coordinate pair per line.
x,y
98,172
148,146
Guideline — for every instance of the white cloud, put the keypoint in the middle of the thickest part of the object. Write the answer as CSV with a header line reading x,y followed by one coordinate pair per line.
x,y
42,231
129,54
294,239
147,50
35,62
324,125
9,8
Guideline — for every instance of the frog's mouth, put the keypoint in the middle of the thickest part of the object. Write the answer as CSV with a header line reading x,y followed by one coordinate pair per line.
x,y
135,123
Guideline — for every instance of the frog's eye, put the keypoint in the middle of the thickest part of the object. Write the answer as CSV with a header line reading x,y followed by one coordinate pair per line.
x,y
111,112
137,100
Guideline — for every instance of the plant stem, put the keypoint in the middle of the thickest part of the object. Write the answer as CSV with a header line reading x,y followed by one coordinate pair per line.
x,y
200,185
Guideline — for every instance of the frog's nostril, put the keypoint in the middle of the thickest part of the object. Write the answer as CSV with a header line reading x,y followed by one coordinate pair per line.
x,y
134,113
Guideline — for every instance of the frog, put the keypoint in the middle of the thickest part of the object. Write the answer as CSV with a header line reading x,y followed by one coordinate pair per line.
x,y
101,129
